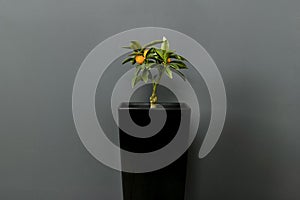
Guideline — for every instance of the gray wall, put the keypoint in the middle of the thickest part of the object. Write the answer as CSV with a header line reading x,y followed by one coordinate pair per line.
x,y
256,45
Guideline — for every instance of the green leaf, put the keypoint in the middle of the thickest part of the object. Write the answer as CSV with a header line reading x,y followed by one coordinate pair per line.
x,y
178,73
127,47
135,80
166,56
159,67
151,65
178,57
133,61
135,45
172,55
160,53
145,75
150,75
158,58
142,66
150,56
135,54
150,61
154,57
137,71
127,60
165,44
150,52
173,65
170,51
180,64
169,72
154,42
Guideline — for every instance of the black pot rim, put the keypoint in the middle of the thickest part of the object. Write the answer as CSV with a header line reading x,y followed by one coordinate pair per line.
x,y
160,105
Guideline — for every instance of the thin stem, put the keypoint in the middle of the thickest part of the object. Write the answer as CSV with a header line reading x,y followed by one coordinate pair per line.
x,y
154,88
153,98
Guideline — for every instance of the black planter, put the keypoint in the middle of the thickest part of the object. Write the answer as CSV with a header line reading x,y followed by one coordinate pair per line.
x,y
167,183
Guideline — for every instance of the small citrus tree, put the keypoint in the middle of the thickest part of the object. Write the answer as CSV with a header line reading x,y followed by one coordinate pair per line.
x,y
147,58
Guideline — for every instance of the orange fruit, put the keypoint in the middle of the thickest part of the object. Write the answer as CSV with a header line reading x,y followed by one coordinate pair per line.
x,y
139,59
145,52
169,60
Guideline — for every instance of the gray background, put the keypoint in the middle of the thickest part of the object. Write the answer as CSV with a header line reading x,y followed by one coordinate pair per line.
x,y
255,44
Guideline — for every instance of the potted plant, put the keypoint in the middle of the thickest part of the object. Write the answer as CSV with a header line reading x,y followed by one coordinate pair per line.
x,y
151,63
147,58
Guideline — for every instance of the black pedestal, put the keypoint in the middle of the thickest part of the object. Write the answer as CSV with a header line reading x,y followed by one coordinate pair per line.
x,y
167,183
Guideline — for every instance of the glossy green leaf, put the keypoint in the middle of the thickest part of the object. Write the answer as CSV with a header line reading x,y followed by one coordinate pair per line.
x,y
180,64
135,80
150,61
133,61
178,73
165,44
137,71
135,54
145,75
142,66
154,42
127,60
174,65
169,72
150,75
180,58
151,65
135,45
150,52
127,47
160,53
